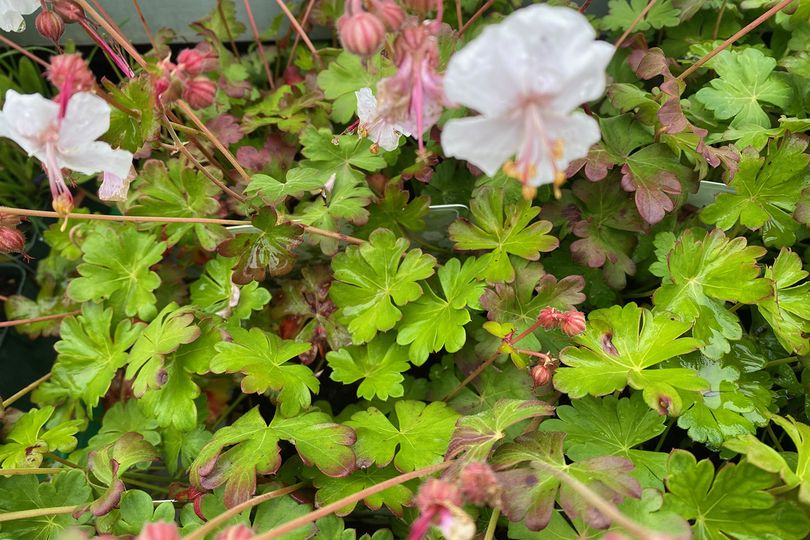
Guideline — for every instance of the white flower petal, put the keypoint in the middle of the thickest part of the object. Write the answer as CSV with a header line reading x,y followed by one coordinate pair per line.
x,y
577,131
366,105
11,12
86,119
113,188
96,157
483,75
585,79
26,119
385,136
539,52
485,142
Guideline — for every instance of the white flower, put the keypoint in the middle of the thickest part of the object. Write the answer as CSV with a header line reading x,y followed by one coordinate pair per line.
x,y
373,126
11,12
63,141
525,76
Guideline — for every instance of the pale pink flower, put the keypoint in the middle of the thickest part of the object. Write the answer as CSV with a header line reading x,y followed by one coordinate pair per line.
x,y
114,187
413,98
382,132
11,12
439,503
525,76
63,141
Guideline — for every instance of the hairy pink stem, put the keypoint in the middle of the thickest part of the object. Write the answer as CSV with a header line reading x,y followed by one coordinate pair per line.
x,y
114,56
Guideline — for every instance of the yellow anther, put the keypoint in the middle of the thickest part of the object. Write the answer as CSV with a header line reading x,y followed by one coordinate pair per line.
x,y
529,192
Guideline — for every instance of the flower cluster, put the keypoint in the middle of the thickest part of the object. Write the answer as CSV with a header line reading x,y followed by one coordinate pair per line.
x,y
571,322
186,78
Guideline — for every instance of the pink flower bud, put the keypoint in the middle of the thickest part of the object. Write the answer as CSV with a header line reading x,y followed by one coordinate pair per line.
x,y
389,13
572,322
479,485
11,240
70,73
236,532
361,33
200,92
69,10
549,318
198,60
541,374
159,531
50,25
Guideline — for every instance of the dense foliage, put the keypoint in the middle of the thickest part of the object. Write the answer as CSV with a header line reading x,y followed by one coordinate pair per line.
x,y
288,309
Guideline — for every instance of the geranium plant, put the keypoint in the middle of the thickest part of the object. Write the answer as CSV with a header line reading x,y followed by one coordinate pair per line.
x,y
459,273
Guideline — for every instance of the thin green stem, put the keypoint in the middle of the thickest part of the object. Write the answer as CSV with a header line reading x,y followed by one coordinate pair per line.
x,y
24,472
39,512
663,436
145,485
607,508
351,499
776,442
224,416
63,461
31,387
492,525
782,361
212,524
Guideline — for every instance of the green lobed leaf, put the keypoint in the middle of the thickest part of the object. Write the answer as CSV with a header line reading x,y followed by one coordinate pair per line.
x,y
379,365
29,439
609,426
744,81
371,280
264,360
433,323
733,504
619,347
701,272
419,438
116,267
91,351
173,189
788,312
216,293
766,192
504,231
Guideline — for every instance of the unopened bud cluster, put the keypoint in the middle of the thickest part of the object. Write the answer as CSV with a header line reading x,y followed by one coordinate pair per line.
x,y
186,77
571,322
362,27
51,21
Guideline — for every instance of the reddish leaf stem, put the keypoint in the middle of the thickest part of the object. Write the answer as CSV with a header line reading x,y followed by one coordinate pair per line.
x,y
743,31
475,16
298,28
222,518
635,22
20,322
259,45
31,56
356,497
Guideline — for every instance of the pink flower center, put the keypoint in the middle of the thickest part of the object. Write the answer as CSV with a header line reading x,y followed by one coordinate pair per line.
x,y
536,147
